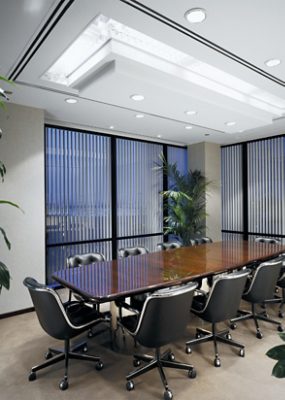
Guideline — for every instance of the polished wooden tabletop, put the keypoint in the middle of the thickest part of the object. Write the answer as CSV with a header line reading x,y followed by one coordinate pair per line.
x,y
108,280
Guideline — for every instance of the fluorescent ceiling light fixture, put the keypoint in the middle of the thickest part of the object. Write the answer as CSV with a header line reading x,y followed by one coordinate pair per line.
x,y
139,116
137,97
190,112
105,37
71,100
195,15
188,127
272,62
230,123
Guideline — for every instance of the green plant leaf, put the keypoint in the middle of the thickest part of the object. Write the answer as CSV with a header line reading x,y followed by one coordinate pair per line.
x,y
5,238
4,276
279,369
282,336
10,203
277,352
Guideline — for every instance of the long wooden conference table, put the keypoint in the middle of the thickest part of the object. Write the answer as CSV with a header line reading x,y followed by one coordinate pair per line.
x,y
109,280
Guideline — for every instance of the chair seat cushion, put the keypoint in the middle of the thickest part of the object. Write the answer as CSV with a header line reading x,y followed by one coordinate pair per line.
x,y
80,314
199,302
130,322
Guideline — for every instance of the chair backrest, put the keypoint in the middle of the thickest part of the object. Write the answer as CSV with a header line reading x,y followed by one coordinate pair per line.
x,y
132,251
84,259
264,280
203,240
266,240
49,310
225,296
164,316
168,245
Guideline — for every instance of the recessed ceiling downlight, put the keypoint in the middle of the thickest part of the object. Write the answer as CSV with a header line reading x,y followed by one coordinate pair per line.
x,y
230,123
188,127
111,127
71,100
139,116
137,97
190,112
272,62
195,15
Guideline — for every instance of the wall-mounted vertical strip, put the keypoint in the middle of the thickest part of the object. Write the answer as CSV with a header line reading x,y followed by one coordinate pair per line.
x,y
245,190
114,195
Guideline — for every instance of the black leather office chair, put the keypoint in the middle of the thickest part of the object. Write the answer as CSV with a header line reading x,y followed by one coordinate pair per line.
x,y
79,260
63,322
266,240
136,301
261,286
163,320
168,245
219,305
202,240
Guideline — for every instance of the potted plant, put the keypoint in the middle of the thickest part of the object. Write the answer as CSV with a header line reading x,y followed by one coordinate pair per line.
x,y
5,276
278,353
185,202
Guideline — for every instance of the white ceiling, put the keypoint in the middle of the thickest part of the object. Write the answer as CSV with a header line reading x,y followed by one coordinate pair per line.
x,y
34,33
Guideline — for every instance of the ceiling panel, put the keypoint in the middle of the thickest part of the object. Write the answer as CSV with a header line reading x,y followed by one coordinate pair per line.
x,y
104,94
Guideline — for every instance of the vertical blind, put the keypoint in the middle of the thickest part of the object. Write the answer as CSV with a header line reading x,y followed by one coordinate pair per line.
x,y
79,201
266,186
232,191
139,203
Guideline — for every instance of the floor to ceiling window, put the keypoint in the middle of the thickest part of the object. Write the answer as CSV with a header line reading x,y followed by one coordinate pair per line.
x,y
102,193
253,189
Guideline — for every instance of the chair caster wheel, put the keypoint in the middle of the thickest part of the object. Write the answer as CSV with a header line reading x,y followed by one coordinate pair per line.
x,y
130,385
167,395
228,336
171,357
192,373
233,325
48,355
136,363
259,335
280,328
99,365
63,385
188,350
32,376
217,362
242,352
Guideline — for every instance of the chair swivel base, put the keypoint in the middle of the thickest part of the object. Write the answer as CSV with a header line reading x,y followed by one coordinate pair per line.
x,y
203,335
262,316
159,361
54,356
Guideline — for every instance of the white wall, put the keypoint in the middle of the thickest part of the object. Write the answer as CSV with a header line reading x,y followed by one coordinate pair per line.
x,y
22,151
206,157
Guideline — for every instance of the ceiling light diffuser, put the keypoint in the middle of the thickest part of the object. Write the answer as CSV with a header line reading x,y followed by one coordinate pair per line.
x,y
272,62
195,15
105,37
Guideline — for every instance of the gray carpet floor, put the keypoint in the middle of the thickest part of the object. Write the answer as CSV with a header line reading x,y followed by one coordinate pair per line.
x,y
23,344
